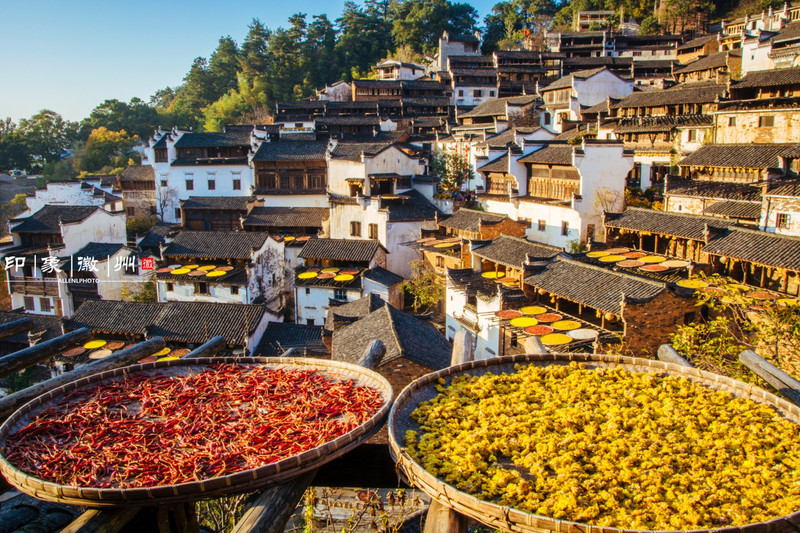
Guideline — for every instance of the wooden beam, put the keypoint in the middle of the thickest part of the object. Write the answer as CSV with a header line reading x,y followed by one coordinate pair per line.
x,y
16,326
17,361
783,382
99,521
12,402
270,512
668,354
207,349
442,519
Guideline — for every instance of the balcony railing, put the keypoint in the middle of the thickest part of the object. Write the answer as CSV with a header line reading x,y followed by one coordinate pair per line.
x,y
35,286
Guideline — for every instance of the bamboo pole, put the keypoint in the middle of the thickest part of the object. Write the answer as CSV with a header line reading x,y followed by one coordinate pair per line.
x,y
41,352
16,326
668,354
207,349
783,382
12,402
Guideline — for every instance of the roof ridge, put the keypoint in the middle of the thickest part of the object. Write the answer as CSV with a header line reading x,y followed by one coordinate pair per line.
x,y
527,241
396,336
764,233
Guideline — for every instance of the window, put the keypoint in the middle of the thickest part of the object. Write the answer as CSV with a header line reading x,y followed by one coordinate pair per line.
x,y
355,229
237,185
201,288
212,184
130,211
234,289
44,305
782,221
339,294
308,291
731,121
163,183
692,135
29,304
161,155
461,92
491,93
477,93
542,225
177,212
170,286
189,185
439,261
564,228
310,322
766,121
373,231
547,119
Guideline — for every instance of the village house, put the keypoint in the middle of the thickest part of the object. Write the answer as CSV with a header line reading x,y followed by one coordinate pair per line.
x,y
739,202
741,163
293,221
775,46
780,210
700,46
519,72
565,98
201,164
291,173
392,69
764,108
45,248
137,184
72,192
223,267
719,67
560,189
345,260
181,324
216,213
456,45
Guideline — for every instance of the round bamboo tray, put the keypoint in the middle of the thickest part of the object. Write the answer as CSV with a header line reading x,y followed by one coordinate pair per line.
x,y
246,480
510,519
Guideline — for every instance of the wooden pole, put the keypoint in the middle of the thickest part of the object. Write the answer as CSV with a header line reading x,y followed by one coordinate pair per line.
x,y
12,402
442,519
786,384
668,354
270,512
98,521
41,352
16,326
207,349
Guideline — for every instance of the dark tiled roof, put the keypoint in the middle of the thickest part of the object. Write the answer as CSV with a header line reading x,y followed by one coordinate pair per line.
x,y
595,62
291,151
790,32
557,154
98,250
662,123
45,327
299,217
162,142
215,161
216,244
236,137
712,189
737,155
156,235
698,42
402,334
470,220
787,188
566,81
758,247
46,219
685,93
352,150
384,277
513,251
412,205
501,140
673,224
348,121
279,337
190,322
138,173
734,209
497,106
716,60
496,165
770,78
353,310
341,249
221,203
593,286
602,107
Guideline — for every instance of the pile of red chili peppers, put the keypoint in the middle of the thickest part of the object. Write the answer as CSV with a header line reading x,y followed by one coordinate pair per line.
x,y
151,430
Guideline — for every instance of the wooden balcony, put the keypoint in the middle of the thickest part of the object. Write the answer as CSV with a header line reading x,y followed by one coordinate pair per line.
x,y
35,286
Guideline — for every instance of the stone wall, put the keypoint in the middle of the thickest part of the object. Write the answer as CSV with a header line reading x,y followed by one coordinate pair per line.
x,y
745,129
139,204
649,325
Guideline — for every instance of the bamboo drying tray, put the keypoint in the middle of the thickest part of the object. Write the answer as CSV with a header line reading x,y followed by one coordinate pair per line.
x,y
246,480
510,519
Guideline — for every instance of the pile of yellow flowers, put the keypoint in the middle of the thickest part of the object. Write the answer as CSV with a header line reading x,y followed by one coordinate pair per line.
x,y
611,448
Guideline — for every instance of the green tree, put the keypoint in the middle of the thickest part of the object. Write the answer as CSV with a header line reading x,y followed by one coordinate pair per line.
x,y
650,26
135,117
46,135
420,23
513,21
365,37
425,286
13,152
223,66
145,292
453,170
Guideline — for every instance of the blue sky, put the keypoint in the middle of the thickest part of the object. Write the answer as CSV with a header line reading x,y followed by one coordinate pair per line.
x,y
70,56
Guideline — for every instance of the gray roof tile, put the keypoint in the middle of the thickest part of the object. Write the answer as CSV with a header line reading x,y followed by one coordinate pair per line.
x,y
761,156
46,220
758,247
358,250
216,244
513,251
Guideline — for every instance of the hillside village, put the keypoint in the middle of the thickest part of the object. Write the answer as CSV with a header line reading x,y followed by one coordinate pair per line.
x,y
578,195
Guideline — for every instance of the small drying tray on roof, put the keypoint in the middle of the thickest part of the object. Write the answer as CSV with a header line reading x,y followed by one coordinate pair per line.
x,y
194,272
